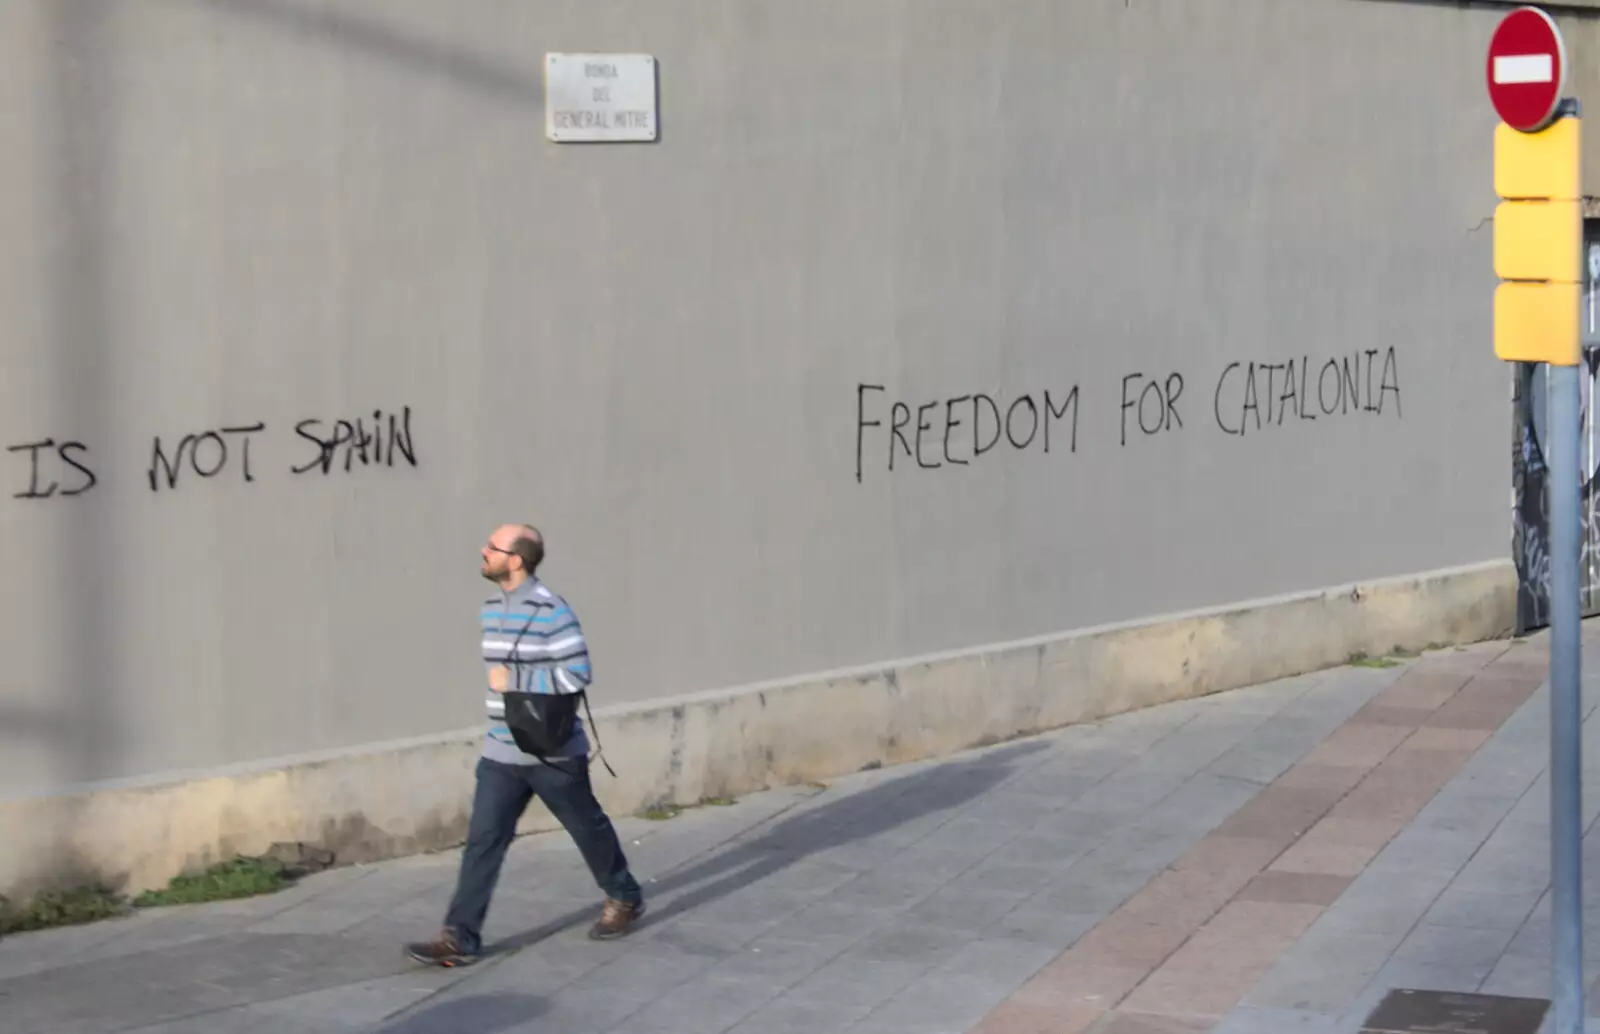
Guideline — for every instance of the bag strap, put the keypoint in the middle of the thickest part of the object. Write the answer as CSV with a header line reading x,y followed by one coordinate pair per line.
x,y
584,693
600,752
511,657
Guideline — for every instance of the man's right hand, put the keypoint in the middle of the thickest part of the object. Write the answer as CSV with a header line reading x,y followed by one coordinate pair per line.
x,y
499,678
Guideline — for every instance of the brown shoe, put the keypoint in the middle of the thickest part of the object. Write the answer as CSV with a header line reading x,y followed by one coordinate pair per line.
x,y
443,950
616,919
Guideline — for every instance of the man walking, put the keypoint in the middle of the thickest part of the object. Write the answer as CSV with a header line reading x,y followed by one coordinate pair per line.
x,y
532,644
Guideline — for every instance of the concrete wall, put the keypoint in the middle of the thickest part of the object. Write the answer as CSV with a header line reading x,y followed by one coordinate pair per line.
x,y
252,213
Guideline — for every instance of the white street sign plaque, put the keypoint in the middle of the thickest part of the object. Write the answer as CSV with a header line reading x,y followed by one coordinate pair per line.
x,y
599,97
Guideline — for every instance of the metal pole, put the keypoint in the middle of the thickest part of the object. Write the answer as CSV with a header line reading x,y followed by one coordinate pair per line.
x,y
1566,805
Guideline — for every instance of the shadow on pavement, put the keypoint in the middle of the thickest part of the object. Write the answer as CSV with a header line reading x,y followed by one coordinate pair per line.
x,y
479,1014
753,858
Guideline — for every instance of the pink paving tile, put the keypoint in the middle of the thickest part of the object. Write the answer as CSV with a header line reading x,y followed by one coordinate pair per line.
x,y
1419,767
1123,939
1435,738
1014,1017
1521,661
1381,712
1302,888
1395,797
1424,689
1483,717
1237,856
1501,687
1279,813
1154,922
1339,846
1359,744
1081,980
1487,701
1213,992
1331,779
1461,667
1180,899
1121,1022
1211,973
1372,830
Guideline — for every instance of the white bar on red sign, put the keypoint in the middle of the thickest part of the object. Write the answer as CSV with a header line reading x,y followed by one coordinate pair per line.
x,y
1524,68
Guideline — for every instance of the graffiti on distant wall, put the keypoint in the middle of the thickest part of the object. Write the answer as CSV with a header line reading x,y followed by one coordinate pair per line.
x,y
1530,487
1247,397
50,468
67,459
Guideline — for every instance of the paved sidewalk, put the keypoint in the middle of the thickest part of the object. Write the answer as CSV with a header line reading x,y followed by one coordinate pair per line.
x,y
1266,860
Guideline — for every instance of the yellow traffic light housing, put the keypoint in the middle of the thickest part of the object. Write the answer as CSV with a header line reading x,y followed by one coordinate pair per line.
x,y
1538,243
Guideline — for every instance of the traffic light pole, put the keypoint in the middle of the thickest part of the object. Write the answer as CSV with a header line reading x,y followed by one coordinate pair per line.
x,y
1538,238
1566,716
1566,710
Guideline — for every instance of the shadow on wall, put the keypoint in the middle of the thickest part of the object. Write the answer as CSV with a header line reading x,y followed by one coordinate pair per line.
x,y
76,98
372,38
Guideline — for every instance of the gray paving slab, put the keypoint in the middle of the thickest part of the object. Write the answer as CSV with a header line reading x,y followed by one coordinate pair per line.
x,y
1447,958
944,1002
49,949
170,983
1518,976
841,992
1257,1020
1480,910
707,1005
1326,969
1427,848
339,1010
781,960
1044,924
380,892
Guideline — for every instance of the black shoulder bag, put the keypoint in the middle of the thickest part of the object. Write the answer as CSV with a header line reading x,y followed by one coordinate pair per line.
x,y
542,723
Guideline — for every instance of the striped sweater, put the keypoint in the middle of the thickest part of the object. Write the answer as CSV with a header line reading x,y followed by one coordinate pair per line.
x,y
535,633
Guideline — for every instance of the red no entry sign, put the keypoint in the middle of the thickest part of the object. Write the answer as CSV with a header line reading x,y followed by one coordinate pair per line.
x,y
1527,69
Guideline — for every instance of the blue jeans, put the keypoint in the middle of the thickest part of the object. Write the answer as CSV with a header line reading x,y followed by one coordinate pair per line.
x,y
503,793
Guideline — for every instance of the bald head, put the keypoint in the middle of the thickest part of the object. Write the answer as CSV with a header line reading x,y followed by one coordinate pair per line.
x,y
514,552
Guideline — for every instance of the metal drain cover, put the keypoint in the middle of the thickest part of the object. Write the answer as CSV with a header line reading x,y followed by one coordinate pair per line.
x,y
1404,1011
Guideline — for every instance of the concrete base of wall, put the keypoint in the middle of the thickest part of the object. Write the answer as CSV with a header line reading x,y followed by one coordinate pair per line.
x,y
411,797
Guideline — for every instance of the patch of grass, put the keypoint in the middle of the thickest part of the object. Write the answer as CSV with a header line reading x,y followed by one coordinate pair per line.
x,y
1361,660
61,908
1400,651
235,878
